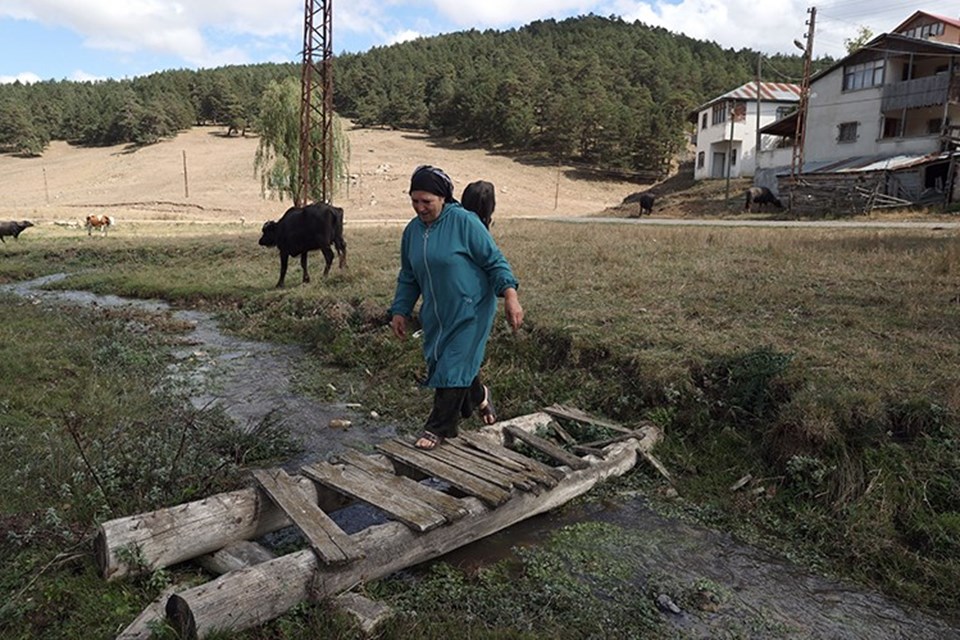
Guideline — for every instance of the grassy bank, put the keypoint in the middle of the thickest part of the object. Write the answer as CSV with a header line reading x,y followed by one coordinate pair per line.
x,y
821,363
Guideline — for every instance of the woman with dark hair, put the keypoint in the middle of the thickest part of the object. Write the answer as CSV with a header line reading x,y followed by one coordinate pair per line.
x,y
449,259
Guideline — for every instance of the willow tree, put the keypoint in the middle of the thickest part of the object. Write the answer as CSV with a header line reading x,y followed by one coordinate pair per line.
x,y
278,155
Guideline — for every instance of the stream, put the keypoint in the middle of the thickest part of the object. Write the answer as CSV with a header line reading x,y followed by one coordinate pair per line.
x,y
766,596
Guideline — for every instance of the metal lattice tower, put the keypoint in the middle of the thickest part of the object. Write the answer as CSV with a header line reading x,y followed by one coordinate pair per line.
x,y
316,100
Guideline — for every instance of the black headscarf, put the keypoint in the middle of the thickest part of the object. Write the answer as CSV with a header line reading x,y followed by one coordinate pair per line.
x,y
432,180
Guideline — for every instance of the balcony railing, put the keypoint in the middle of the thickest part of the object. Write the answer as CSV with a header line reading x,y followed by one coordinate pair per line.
x,y
919,92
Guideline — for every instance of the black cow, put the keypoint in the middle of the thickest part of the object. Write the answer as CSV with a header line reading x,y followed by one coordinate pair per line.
x,y
645,200
646,204
480,197
13,228
761,196
304,229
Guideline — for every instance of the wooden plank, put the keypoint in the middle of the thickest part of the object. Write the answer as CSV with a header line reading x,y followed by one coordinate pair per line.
x,y
566,437
544,473
548,448
362,486
468,483
529,479
477,466
572,413
451,508
639,434
235,556
328,541
242,599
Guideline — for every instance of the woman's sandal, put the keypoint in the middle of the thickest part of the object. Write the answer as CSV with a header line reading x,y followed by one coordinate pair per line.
x,y
488,413
428,441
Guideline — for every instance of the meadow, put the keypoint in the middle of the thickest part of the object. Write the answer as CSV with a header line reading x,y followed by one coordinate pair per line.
x,y
821,363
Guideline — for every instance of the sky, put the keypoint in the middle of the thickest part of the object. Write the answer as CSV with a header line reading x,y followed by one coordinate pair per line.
x,y
98,39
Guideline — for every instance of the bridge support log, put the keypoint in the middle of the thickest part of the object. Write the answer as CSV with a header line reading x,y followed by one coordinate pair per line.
x,y
249,597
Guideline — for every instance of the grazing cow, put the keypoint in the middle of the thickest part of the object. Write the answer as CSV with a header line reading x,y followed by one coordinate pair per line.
x,y
645,200
99,222
13,228
480,197
646,204
761,196
304,229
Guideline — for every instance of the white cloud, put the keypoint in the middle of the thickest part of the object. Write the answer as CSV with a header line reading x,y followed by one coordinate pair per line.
x,y
404,36
83,76
494,13
25,78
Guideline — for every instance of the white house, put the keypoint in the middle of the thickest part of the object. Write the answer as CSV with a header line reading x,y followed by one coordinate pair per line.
x,y
726,127
887,107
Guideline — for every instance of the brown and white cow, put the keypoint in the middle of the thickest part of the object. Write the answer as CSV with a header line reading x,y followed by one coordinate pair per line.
x,y
101,223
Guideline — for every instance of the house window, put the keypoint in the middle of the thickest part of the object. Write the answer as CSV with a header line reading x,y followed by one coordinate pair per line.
x,y
847,132
925,31
703,121
700,158
783,112
935,126
733,157
891,127
720,113
863,76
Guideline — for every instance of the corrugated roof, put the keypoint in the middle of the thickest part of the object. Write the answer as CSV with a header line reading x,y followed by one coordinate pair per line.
x,y
860,164
880,163
769,91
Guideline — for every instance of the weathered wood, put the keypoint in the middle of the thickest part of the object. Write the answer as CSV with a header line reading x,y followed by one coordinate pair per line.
x,y
548,448
368,613
168,536
249,597
461,459
649,457
560,431
330,543
532,476
469,484
544,473
363,486
172,535
572,413
153,614
579,448
451,508
236,555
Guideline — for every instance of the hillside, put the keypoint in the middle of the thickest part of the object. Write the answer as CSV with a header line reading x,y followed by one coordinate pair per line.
x,y
68,183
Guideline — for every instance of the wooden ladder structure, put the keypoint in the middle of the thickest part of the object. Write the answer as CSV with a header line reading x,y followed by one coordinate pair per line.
x,y
481,484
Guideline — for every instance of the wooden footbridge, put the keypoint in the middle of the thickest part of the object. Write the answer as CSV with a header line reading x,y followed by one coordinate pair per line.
x,y
482,485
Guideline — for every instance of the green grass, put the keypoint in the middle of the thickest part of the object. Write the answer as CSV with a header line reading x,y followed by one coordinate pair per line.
x,y
821,362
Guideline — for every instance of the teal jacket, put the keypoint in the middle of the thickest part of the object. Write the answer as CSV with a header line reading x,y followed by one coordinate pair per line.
x,y
458,270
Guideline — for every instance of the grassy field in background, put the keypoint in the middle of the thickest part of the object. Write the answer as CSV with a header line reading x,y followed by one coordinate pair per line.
x,y
822,363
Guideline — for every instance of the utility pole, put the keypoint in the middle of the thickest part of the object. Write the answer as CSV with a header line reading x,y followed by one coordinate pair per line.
x,y
796,167
733,118
316,100
756,154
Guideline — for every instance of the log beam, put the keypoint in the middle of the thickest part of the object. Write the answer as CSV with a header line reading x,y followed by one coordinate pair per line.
x,y
242,599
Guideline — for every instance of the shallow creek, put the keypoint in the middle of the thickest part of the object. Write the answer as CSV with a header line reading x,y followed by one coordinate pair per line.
x,y
762,595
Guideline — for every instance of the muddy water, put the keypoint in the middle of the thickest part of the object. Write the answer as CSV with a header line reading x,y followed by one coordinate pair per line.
x,y
760,595
250,381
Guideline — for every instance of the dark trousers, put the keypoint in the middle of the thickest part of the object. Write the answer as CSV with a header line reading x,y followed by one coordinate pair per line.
x,y
452,403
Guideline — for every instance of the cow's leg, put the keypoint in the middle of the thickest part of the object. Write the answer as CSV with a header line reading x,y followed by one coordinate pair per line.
x,y
328,258
303,265
341,246
283,269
